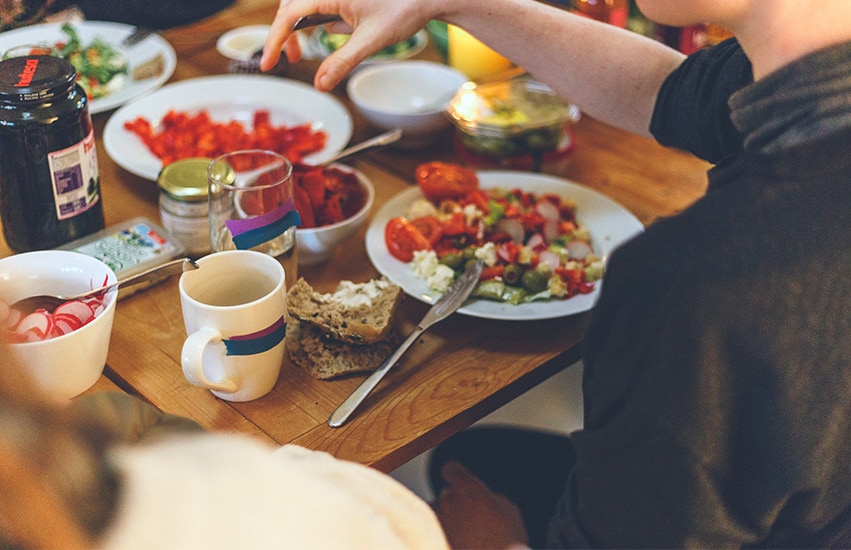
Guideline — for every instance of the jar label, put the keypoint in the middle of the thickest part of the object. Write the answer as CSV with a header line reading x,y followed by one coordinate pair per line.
x,y
74,175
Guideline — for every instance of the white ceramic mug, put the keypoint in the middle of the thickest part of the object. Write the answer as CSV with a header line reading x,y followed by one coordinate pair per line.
x,y
234,310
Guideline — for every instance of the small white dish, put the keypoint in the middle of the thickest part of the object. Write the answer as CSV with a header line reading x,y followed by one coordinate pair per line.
x,y
411,95
240,43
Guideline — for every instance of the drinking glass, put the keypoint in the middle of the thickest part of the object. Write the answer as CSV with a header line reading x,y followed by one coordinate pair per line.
x,y
251,205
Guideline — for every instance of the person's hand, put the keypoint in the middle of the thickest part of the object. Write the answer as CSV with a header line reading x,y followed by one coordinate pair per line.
x,y
374,24
473,516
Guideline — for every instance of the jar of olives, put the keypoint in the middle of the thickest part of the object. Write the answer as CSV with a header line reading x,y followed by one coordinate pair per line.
x,y
518,123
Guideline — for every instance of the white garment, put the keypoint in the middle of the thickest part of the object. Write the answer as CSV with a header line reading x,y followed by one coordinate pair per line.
x,y
226,491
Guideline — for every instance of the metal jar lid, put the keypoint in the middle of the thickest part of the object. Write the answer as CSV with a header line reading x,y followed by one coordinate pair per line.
x,y
185,179
35,78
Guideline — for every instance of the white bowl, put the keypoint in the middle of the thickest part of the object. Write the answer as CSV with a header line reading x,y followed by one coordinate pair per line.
x,y
316,244
64,366
240,43
411,95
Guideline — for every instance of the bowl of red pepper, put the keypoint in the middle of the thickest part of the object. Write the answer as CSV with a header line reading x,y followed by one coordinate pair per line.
x,y
333,203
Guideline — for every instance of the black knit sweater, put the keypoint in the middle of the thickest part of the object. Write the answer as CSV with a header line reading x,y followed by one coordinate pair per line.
x,y
717,378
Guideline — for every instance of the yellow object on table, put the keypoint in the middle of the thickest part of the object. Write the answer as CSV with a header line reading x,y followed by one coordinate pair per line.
x,y
471,57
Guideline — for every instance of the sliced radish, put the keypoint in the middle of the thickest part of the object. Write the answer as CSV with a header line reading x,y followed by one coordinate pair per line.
x,y
578,250
513,227
548,211
66,322
536,242
549,258
81,310
550,231
505,254
31,336
39,323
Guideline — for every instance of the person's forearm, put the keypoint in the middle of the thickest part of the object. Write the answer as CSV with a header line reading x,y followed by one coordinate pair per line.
x,y
612,74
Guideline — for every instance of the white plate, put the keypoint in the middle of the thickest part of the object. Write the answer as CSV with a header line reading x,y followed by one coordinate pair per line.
x,y
240,43
112,33
225,98
610,225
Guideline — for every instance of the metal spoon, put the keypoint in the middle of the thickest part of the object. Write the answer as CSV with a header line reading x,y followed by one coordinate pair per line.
x,y
247,179
387,138
49,303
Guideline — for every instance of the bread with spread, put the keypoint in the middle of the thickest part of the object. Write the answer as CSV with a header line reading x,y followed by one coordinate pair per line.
x,y
348,331
357,313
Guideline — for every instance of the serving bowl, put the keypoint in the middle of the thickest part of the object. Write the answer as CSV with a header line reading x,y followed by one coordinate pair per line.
x,y
67,365
411,95
317,244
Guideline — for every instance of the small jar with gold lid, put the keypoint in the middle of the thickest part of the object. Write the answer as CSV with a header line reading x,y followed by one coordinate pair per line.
x,y
183,203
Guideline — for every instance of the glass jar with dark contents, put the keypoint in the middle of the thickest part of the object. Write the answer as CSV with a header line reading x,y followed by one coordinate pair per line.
x,y
49,181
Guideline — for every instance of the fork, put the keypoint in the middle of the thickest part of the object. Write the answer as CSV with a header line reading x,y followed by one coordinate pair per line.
x,y
445,306
252,65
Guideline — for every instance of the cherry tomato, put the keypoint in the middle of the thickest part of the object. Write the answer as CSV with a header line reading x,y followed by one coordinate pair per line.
x,y
430,227
403,239
492,272
443,180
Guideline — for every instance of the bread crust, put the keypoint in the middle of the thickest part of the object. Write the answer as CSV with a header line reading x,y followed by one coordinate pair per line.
x,y
324,357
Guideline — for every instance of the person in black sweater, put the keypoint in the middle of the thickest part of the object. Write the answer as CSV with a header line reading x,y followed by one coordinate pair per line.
x,y
717,364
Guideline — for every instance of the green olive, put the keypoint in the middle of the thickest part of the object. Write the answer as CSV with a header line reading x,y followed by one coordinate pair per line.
x,y
469,263
512,274
452,259
534,281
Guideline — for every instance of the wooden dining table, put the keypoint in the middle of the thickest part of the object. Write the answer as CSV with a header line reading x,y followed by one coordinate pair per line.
x,y
456,373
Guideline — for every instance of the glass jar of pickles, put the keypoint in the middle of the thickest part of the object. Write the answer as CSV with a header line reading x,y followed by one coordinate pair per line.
x,y
518,123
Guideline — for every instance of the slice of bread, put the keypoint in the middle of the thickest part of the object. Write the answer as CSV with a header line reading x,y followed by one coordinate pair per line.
x,y
357,313
324,357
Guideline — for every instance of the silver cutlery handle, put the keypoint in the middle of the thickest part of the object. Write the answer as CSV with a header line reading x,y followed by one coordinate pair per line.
x,y
315,19
347,407
391,136
165,270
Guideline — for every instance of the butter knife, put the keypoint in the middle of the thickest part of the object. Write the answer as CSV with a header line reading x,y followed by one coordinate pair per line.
x,y
451,300
138,34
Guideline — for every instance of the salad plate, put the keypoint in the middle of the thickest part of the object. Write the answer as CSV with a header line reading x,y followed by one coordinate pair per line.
x,y
146,50
228,98
609,223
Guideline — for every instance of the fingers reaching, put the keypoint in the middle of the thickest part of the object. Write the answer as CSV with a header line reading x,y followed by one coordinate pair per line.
x,y
473,516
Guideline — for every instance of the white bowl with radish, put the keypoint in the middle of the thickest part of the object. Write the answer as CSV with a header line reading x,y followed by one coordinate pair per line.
x,y
63,351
